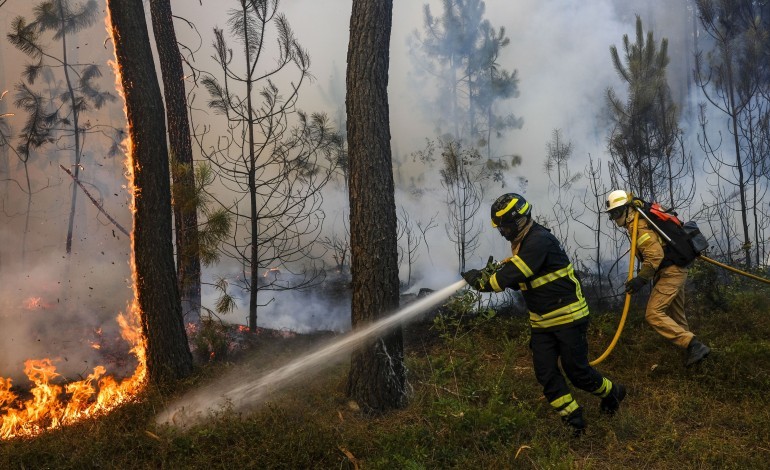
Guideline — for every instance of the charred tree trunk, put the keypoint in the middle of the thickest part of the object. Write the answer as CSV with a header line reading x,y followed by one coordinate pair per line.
x,y
188,264
377,378
168,354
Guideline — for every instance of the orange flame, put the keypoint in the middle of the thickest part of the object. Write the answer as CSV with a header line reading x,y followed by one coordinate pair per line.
x,y
276,271
53,405
50,405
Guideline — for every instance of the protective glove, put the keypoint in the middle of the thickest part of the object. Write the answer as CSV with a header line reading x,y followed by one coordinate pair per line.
x,y
634,285
473,278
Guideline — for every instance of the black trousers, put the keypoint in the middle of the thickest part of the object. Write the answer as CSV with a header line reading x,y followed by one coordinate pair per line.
x,y
569,344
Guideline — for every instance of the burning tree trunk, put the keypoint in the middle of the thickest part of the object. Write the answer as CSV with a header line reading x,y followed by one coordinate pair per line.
x,y
168,354
188,262
377,379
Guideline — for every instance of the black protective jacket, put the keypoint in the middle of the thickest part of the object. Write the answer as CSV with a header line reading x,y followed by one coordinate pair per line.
x,y
542,271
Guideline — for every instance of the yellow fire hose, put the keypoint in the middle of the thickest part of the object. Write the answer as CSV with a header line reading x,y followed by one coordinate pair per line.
x,y
737,271
627,302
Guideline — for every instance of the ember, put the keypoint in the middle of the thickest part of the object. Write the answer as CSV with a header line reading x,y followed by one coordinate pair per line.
x,y
33,303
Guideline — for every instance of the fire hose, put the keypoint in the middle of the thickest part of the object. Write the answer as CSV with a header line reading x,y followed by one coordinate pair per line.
x,y
627,302
705,258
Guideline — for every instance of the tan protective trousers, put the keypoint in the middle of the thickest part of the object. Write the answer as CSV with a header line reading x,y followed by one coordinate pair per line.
x,y
665,309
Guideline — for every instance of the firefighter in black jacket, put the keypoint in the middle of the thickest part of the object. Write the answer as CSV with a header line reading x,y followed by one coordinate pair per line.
x,y
558,312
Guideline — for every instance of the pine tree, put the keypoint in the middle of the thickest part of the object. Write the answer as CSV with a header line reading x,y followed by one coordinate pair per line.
x,y
377,378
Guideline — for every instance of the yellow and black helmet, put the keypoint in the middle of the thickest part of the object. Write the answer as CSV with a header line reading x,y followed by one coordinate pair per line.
x,y
509,208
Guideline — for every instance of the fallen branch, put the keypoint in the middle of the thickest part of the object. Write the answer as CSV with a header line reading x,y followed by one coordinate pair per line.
x,y
96,203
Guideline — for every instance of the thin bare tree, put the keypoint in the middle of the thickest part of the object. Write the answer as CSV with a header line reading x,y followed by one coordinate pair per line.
x,y
274,159
65,117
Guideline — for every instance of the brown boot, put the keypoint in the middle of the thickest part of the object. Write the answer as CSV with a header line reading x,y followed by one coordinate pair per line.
x,y
696,352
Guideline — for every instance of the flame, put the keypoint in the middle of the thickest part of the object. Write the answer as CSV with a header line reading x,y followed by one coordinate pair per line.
x,y
272,270
52,405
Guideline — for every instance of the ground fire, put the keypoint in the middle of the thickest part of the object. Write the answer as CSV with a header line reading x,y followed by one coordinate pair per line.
x,y
48,404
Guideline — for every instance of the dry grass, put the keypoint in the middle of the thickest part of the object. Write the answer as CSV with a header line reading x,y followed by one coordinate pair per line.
x,y
475,404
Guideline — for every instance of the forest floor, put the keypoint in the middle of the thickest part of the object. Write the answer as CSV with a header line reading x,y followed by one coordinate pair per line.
x,y
474,403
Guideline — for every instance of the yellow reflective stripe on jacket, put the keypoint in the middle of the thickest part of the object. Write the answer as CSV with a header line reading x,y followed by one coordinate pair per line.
x,y
642,239
567,271
522,266
578,289
561,316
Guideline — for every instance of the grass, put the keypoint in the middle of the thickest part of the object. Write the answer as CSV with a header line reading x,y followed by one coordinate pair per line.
x,y
475,404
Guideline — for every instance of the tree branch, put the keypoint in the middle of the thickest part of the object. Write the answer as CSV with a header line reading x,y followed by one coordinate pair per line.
x,y
96,203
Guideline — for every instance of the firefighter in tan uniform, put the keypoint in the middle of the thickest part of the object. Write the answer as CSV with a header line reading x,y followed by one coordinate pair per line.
x,y
665,308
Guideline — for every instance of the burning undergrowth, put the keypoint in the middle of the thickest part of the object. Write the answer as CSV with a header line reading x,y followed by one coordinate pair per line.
x,y
52,400
65,357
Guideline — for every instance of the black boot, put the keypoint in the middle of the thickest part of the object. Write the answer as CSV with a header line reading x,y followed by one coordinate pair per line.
x,y
611,402
575,422
696,352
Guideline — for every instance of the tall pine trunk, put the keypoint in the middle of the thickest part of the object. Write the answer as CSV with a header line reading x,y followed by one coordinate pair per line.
x,y
377,378
168,353
188,264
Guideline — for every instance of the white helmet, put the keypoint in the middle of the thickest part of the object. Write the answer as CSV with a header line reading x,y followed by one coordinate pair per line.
x,y
617,198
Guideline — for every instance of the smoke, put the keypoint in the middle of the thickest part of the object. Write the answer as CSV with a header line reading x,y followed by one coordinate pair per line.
x,y
560,50
54,305
63,309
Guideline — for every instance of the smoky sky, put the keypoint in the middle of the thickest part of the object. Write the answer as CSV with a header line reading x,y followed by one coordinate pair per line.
x,y
559,49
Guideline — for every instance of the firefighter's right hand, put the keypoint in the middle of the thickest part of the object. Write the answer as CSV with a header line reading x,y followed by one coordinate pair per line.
x,y
473,277
635,285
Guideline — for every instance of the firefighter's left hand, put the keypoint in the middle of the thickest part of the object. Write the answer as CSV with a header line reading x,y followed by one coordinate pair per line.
x,y
473,278
635,285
